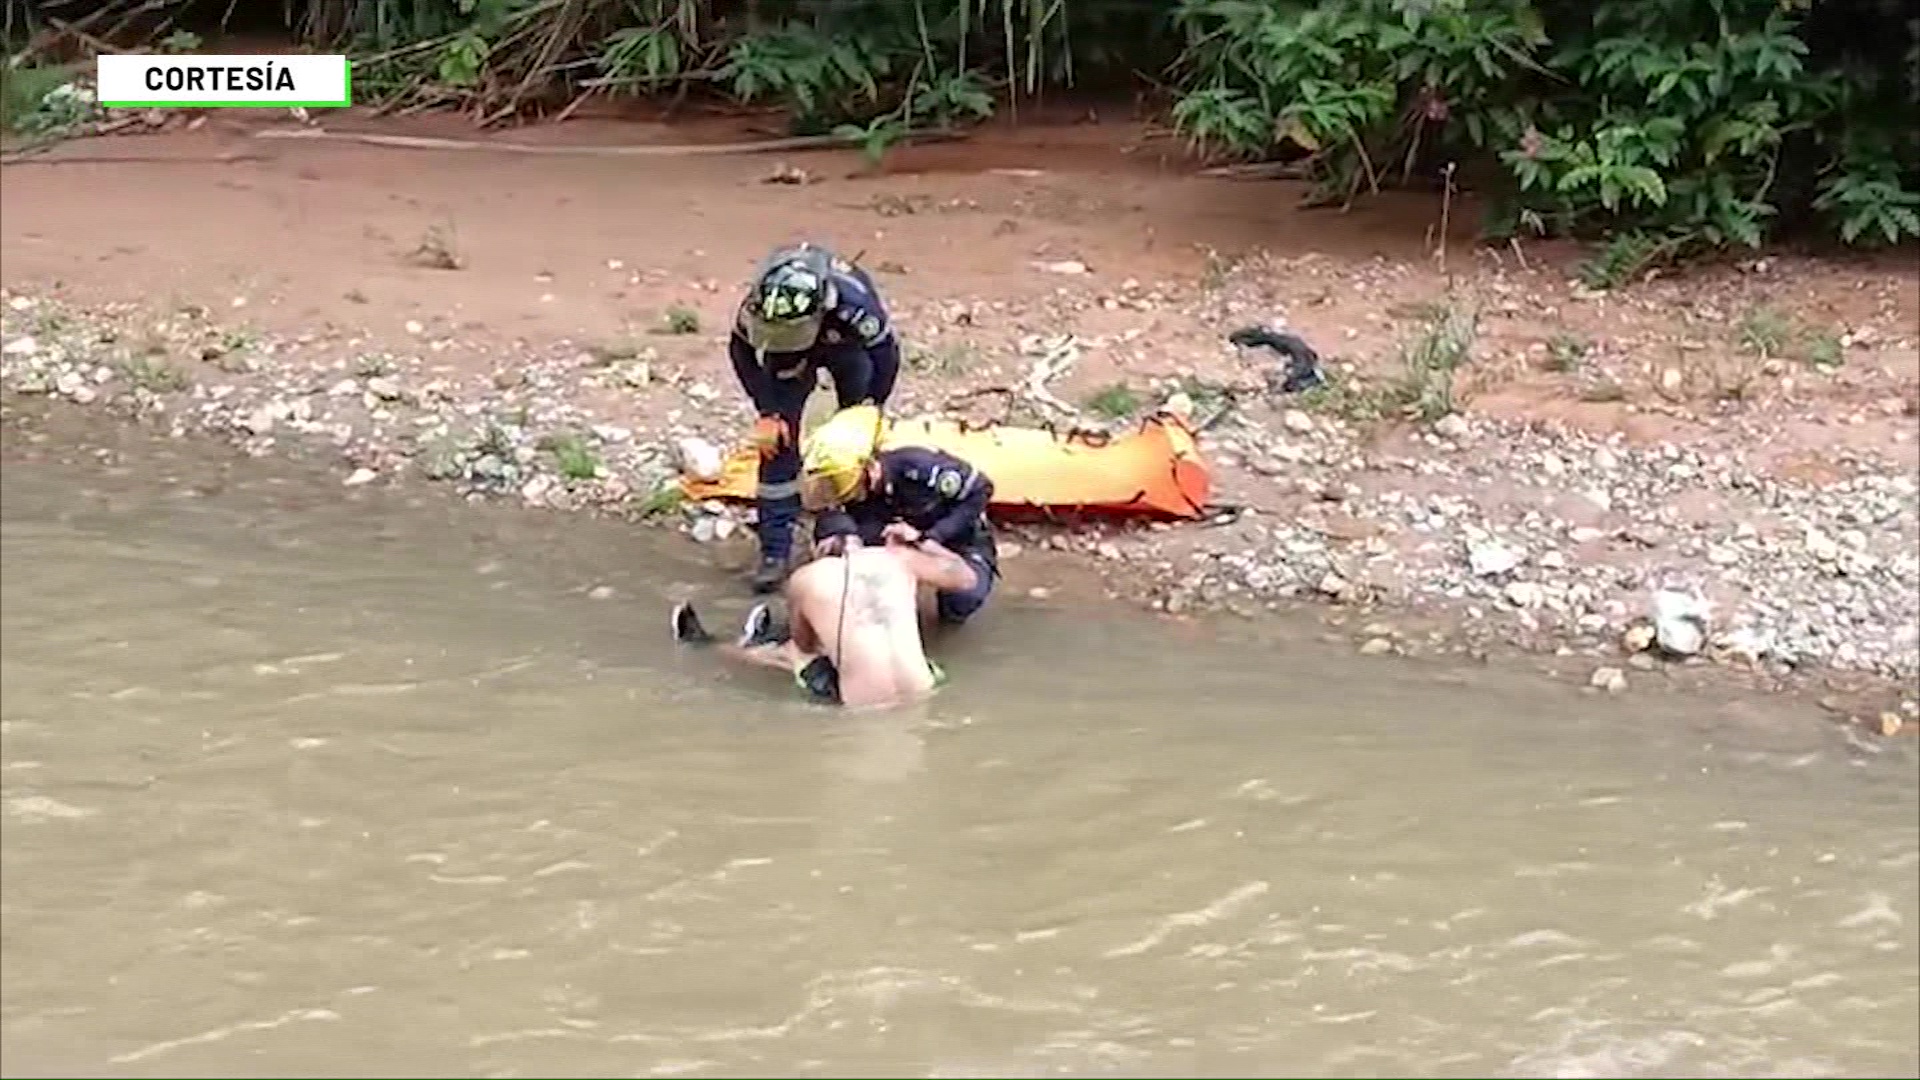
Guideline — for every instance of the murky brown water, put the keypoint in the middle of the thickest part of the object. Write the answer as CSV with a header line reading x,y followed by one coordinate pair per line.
x,y
303,781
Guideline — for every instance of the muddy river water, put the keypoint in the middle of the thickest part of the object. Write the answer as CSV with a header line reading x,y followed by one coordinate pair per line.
x,y
304,780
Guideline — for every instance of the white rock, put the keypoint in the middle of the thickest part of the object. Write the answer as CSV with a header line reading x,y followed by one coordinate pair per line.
x,y
1491,559
73,385
1333,585
534,491
1525,594
1552,560
384,388
705,530
699,458
1610,679
1723,556
414,327
1586,534
21,346
1070,267
344,388
1821,546
261,420
1680,622
1744,643
1452,426
361,476
1297,421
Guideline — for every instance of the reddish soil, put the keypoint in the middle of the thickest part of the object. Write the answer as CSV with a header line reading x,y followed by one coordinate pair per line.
x,y
300,235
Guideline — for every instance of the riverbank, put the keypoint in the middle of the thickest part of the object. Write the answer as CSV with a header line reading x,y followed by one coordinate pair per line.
x,y
1744,435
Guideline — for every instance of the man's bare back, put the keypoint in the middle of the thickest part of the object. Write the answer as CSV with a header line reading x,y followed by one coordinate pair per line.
x,y
859,611
854,629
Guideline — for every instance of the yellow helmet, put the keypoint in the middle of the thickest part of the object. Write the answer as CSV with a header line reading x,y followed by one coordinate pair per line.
x,y
838,450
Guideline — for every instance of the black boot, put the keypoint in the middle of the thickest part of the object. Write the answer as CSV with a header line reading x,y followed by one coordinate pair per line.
x,y
769,574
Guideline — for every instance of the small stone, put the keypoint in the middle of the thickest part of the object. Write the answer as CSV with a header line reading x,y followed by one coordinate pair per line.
x,y
1671,380
360,476
1333,585
1744,643
414,327
1376,647
384,388
1610,679
260,421
1297,421
1586,534
1039,593
1107,550
1070,267
1452,426
534,492
600,592
1638,638
1679,622
1552,560
1890,724
1723,556
1642,662
699,458
1524,594
344,388
1491,559
21,346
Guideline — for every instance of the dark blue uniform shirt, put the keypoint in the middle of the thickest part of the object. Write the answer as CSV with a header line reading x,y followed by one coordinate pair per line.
x,y
933,491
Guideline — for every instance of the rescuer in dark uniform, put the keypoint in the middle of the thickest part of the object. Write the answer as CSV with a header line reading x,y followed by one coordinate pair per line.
x,y
805,311
907,496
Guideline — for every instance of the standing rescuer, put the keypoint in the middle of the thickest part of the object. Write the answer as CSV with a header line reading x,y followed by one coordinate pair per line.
x,y
927,503
806,310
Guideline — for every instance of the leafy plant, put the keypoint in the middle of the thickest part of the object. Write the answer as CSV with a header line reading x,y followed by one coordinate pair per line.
x,y
1671,127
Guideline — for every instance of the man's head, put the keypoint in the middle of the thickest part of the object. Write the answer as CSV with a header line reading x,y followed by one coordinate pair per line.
x,y
837,460
789,300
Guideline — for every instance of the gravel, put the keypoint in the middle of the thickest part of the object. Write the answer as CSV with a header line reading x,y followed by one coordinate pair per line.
x,y
1520,533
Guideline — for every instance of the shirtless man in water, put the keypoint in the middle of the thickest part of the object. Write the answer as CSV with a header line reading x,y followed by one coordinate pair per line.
x,y
855,633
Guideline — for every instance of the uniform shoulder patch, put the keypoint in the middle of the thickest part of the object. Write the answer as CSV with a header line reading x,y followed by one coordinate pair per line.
x,y
947,482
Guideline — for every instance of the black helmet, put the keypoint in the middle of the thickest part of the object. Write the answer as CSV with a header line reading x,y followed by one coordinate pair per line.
x,y
789,301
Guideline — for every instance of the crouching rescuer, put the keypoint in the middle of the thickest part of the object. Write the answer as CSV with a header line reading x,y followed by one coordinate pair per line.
x,y
927,504
806,311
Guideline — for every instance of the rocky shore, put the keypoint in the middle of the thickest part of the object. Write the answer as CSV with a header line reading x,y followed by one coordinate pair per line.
x,y
1488,532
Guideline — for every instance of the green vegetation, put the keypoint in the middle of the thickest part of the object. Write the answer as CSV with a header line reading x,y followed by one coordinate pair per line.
x,y
680,319
573,456
1661,129
1117,401
41,102
1424,389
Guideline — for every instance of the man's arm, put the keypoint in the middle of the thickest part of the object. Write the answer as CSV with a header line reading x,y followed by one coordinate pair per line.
x,y
932,564
754,377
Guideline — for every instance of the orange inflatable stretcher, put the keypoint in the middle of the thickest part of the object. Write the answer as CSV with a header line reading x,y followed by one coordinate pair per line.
x,y
1154,472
